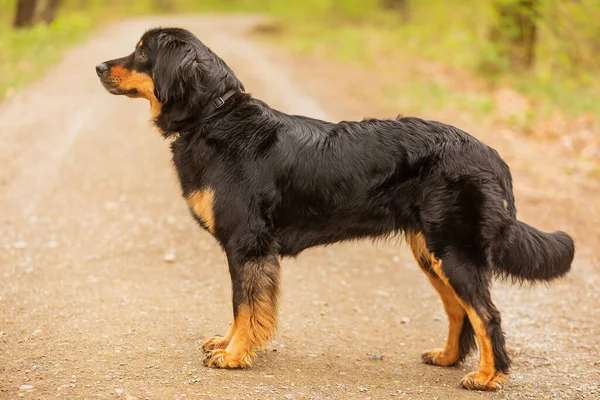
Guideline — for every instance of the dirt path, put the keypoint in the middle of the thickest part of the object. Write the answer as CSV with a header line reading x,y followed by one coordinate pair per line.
x,y
89,307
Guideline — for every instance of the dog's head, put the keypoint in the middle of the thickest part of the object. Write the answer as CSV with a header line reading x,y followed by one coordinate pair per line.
x,y
175,71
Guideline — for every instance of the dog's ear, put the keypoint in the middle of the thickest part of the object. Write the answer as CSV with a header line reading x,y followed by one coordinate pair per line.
x,y
177,72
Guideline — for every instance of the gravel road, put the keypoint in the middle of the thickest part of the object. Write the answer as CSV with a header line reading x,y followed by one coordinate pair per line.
x,y
107,284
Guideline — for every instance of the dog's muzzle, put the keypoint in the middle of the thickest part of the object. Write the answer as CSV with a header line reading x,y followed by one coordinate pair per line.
x,y
102,69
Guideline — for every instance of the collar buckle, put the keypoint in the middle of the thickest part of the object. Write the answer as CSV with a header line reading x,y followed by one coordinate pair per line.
x,y
218,102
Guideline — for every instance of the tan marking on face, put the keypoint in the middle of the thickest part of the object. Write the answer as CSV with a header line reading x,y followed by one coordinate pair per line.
x,y
144,85
201,203
140,43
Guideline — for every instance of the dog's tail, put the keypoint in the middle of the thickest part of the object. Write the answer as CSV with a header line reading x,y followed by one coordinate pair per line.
x,y
526,253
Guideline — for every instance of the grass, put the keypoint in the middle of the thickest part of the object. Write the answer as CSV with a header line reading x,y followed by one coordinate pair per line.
x,y
26,53
419,95
460,46
452,34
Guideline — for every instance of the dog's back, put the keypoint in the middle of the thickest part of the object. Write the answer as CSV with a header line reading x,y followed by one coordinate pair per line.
x,y
369,178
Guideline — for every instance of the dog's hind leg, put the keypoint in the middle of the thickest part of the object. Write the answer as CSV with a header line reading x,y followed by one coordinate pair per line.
x,y
255,282
461,337
471,285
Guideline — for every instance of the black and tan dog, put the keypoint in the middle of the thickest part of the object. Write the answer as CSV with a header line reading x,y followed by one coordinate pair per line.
x,y
266,185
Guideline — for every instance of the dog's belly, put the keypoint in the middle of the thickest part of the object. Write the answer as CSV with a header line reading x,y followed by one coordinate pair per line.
x,y
300,225
292,239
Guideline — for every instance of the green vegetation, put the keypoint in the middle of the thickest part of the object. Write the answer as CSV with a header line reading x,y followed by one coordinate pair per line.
x,y
458,35
26,53
472,68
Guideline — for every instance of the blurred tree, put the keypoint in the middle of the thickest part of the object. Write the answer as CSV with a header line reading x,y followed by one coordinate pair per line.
x,y
515,31
50,10
25,13
400,6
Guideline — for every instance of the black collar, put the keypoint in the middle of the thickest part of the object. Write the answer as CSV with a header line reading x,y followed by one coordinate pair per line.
x,y
220,101
217,103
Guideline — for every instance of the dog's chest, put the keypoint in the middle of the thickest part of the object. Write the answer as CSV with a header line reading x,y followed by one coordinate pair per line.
x,y
201,204
196,167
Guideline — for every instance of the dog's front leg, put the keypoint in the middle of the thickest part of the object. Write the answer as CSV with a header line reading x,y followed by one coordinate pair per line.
x,y
255,282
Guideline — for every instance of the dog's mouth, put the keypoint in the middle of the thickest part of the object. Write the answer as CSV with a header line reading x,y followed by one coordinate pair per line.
x,y
113,87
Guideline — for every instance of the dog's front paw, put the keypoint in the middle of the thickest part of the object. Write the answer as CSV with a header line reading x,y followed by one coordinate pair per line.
x,y
216,342
220,358
437,357
478,381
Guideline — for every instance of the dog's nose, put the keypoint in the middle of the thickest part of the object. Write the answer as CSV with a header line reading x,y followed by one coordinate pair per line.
x,y
101,68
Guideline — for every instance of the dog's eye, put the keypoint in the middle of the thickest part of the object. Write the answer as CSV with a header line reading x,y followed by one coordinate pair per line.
x,y
143,54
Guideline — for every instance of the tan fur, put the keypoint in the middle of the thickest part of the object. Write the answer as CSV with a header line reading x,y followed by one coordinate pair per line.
x,y
218,342
143,83
261,288
456,313
419,249
486,377
454,310
201,204
256,319
476,381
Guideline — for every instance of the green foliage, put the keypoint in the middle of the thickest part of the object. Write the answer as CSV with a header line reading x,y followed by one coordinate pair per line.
x,y
449,32
26,53
457,33
419,95
512,36
571,39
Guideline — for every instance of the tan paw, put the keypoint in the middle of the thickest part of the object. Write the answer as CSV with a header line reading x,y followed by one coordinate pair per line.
x,y
478,381
220,358
438,357
216,342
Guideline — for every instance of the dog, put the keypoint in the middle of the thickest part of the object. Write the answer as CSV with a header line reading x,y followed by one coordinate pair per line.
x,y
268,185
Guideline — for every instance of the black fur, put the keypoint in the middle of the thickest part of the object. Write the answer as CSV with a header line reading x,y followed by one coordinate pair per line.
x,y
467,341
188,76
283,183
526,253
